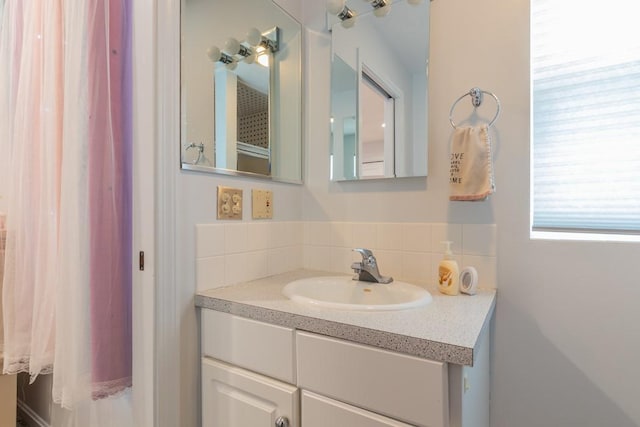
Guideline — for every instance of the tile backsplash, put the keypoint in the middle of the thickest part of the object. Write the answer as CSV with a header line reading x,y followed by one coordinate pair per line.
x,y
233,253
406,251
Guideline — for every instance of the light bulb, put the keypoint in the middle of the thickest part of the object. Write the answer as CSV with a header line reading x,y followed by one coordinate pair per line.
x,y
213,53
263,60
232,65
348,23
382,11
232,46
335,6
253,37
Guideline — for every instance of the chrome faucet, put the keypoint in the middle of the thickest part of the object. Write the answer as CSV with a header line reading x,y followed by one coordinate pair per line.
x,y
367,269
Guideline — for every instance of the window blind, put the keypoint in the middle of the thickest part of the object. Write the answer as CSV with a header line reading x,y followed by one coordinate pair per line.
x,y
585,60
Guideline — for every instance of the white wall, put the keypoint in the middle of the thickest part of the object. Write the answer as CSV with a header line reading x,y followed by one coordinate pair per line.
x,y
567,329
196,204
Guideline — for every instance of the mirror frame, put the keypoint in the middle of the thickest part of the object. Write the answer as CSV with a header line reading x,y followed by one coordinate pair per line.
x,y
272,131
404,142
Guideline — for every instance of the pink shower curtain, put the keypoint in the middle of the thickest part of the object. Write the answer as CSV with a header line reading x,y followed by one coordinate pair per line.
x,y
65,123
110,193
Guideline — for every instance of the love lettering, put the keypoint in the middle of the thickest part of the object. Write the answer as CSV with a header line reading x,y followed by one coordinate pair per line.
x,y
456,161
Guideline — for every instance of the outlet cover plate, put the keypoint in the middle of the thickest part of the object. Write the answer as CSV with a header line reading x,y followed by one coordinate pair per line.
x,y
262,204
229,203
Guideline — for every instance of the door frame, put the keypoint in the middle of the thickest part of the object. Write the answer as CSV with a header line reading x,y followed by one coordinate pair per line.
x,y
156,379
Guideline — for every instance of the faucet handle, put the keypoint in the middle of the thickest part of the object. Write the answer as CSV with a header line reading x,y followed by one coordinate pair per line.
x,y
366,253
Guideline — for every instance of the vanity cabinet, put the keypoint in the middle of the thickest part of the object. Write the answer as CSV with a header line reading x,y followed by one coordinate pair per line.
x,y
233,396
258,374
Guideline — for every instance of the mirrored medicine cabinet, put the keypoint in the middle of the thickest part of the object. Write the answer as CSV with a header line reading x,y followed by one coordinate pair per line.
x,y
379,75
241,89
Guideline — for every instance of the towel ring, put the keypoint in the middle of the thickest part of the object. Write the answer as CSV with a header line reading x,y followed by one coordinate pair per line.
x,y
476,95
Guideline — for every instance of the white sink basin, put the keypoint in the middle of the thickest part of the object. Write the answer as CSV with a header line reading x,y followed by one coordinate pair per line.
x,y
342,292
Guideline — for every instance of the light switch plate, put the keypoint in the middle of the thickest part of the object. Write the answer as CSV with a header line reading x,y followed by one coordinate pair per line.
x,y
229,203
262,204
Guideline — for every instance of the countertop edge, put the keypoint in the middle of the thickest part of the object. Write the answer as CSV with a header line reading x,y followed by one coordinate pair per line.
x,y
486,325
413,346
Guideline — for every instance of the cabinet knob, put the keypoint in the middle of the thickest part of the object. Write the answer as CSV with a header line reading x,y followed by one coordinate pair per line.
x,y
282,422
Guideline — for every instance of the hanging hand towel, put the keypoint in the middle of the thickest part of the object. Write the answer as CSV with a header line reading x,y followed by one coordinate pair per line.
x,y
471,172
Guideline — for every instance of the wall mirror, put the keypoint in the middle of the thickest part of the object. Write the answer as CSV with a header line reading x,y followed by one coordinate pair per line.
x,y
241,89
379,72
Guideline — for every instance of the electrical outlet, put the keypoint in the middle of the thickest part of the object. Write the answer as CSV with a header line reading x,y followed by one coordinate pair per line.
x,y
229,203
262,204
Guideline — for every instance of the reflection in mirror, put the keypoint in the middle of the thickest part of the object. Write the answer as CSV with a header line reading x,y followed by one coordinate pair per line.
x,y
241,109
379,77
343,120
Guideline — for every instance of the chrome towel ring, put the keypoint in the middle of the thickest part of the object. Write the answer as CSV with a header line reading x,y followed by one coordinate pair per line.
x,y
477,96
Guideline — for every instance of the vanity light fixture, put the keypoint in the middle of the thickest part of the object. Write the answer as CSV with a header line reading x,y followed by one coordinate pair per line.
x,y
215,55
268,40
233,47
380,7
255,46
344,13
348,16
262,56
264,43
253,37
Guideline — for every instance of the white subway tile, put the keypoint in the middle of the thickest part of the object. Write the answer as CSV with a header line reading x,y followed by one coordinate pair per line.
x,y
257,236
210,273
317,258
295,257
416,237
282,260
443,232
277,235
317,233
235,237
278,261
209,240
416,266
486,267
389,237
364,235
389,263
236,268
256,265
341,234
479,239
290,233
341,260
294,232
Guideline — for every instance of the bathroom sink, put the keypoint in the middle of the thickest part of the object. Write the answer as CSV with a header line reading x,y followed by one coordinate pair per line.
x,y
341,292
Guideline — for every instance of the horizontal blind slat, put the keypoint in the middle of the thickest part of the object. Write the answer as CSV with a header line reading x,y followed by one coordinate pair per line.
x,y
586,117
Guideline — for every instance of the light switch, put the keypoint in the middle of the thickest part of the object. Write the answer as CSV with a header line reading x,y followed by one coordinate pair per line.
x,y
262,204
229,203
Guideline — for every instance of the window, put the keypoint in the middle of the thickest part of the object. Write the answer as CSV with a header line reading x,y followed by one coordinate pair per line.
x,y
585,59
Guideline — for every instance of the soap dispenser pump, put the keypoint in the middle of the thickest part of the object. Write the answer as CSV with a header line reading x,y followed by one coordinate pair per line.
x,y
448,273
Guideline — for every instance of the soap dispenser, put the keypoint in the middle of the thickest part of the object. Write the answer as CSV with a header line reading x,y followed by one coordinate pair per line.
x,y
448,273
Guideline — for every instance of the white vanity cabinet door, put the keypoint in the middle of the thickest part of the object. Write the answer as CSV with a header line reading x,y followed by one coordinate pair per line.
x,y
234,397
320,411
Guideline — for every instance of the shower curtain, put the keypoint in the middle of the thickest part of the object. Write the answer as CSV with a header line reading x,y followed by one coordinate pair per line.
x,y
65,121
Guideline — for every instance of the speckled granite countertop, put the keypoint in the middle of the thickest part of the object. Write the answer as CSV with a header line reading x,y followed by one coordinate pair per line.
x,y
447,330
